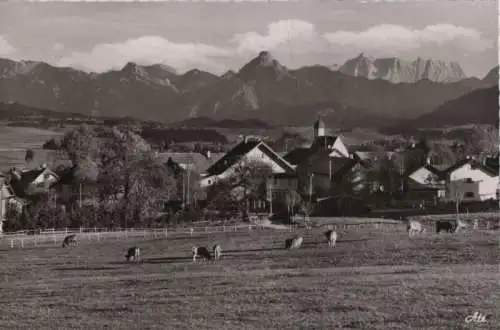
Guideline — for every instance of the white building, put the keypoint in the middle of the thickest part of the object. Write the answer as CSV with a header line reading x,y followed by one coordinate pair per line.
x,y
471,181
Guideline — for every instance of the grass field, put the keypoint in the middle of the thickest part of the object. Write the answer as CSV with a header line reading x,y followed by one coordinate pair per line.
x,y
370,280
14,141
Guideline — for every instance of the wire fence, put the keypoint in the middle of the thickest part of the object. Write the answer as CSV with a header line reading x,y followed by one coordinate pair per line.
x,y
35,238
30,238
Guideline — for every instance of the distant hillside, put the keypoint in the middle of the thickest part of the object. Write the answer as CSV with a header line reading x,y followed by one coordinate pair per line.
x,y
200,122
477,107
263,89
491,77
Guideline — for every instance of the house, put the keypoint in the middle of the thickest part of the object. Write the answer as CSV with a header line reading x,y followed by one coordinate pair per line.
x,y
9,201
321,166
471,181
195,161
282,180
327,142
31,182
245,151
426,182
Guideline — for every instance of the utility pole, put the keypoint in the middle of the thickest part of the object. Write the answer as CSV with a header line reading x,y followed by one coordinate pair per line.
x,y
270,188
310,187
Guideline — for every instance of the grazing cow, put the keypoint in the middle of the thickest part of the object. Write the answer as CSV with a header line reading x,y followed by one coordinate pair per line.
x,y
217,252
133,253
70,240
444,226
331,236
294,243
476,223
414,227
202,252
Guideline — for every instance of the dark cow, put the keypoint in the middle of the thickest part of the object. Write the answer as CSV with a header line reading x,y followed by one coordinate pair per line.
x,y
133,253
446,226
201,251
70,240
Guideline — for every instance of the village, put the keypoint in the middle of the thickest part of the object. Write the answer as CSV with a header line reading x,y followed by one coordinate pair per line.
x,y
252,182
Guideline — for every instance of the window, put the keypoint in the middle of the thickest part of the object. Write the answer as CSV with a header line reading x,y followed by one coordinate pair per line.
x,y
468,180
469,194
209,181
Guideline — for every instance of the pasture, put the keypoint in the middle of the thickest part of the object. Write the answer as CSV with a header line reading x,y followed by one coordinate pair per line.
x,y
14,141
372,279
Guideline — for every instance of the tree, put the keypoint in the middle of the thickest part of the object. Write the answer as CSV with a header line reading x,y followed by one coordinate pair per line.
x,y
80,143
481,142
247,181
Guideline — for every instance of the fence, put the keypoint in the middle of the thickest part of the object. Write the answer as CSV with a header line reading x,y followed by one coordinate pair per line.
x,y
30,238
52,236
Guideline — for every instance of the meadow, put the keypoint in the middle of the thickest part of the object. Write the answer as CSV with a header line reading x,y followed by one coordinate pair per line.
x,y
372,279
14,141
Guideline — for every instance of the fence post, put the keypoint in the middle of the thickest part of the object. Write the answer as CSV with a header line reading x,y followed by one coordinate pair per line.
x,y
234,227
224,229
34,240
11,243
166,232
66,230
22,242
191,230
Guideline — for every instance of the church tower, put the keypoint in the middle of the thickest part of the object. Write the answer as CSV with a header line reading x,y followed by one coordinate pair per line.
x,y
319,128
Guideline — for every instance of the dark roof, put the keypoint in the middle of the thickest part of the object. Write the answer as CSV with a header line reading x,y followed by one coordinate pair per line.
x,y
322,142
439,173
297,156
232,156
198,162
174,167
240,150
26,178
276,158
319,163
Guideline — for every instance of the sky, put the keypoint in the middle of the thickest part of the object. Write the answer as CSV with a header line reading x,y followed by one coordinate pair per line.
x,y
218,36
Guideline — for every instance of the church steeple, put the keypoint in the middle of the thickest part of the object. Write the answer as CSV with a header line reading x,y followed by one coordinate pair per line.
x,y
319,128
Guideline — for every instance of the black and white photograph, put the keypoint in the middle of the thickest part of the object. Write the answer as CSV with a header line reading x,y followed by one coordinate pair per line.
x,y
304,164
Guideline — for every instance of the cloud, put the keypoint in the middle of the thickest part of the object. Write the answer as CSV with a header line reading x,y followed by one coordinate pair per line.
x,y
396,38
58,47
300,35
5,47
148,50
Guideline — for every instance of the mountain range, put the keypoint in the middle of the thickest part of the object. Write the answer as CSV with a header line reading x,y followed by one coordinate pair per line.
x,y
396,70
263,88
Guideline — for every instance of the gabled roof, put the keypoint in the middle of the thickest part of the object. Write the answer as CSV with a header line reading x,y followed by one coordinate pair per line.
x,y
319,163
27,178
198,162
322,142
474,164
297,155
240,150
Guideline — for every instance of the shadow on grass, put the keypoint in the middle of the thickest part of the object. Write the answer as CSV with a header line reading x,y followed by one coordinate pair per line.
x,y
84,268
